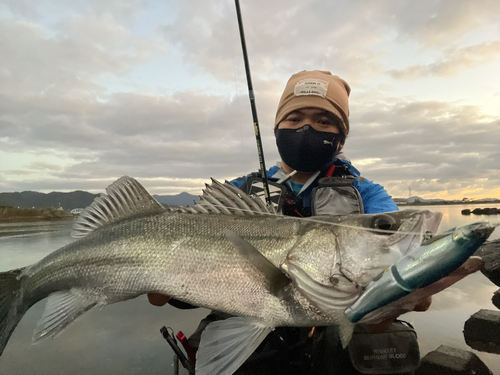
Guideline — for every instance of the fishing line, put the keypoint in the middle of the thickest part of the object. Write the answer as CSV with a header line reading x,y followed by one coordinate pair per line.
x,y
388,231
385,231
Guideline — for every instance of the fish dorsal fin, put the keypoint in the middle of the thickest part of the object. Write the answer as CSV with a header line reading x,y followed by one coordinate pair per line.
x,y
226,344
125,197
226,199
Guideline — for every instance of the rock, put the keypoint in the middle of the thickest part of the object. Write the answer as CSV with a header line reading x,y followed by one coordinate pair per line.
x,y
496,299
483,211
490,253
482,331
446,360
466,212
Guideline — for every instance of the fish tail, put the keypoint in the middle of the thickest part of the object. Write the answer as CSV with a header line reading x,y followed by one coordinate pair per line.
x,y
10,300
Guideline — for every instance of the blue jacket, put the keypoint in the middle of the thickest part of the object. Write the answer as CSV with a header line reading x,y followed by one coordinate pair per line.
x,y
375,198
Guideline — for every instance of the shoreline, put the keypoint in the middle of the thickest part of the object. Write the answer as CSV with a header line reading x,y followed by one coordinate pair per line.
x,y
9,214
32,219
445,203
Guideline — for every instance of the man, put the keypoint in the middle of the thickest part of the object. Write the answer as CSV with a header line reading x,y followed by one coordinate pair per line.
x,y
311,127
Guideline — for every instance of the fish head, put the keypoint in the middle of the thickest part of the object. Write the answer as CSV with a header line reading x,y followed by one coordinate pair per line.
x,y
348,251
370,243
337,256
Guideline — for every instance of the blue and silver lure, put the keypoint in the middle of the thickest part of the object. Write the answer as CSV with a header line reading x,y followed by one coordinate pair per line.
x,y
433,260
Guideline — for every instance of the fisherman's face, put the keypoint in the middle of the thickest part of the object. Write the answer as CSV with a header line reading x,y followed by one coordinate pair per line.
x,y
317,118
307,140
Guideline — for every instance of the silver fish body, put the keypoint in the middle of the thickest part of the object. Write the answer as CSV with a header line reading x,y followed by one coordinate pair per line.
x,y
189,257
185,256
131,245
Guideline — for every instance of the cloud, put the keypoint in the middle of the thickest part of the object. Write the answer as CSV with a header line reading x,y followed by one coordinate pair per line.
x,y
39,10
277,40
292,36
448,145
140,135
452,62
440,23
55,106
98,88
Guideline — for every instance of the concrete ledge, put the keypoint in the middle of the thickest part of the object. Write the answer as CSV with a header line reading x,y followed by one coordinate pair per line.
x,y
446,360
496,299
482,211
490,253
482,331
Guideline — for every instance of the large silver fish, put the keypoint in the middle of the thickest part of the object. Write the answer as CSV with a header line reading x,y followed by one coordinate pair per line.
x,y
228,253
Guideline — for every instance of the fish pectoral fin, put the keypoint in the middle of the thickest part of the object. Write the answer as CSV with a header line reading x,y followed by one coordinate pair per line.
x,y
346,329
61,310
327,298
330,300
276,277
226,344
125,198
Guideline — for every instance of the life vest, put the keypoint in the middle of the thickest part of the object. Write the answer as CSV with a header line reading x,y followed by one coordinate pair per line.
x,y
334,194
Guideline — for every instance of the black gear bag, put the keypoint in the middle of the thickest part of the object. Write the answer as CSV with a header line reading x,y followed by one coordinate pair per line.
x,y
395,351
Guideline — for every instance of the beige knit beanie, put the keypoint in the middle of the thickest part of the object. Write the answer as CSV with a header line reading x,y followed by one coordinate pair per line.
x,y
319,89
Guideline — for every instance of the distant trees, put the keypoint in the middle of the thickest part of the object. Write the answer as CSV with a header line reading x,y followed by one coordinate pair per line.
x,y
13,214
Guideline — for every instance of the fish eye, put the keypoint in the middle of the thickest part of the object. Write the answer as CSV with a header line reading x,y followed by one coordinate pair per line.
x,y
384,222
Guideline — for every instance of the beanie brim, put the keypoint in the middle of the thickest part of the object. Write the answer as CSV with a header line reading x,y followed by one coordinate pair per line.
x,y
310,102
316,89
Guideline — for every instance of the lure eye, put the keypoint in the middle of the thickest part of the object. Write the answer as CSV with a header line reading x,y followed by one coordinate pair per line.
x,y
384,222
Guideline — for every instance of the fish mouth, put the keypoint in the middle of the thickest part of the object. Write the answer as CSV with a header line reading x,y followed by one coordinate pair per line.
x,y
411,228
420,225
480,230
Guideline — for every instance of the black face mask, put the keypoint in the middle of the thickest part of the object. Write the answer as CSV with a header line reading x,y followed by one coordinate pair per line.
x,y
306,149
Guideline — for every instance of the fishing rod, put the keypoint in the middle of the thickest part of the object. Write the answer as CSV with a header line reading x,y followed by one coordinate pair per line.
x,y
260,149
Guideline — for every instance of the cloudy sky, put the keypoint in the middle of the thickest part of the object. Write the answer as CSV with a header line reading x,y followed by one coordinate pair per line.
x,y
92,90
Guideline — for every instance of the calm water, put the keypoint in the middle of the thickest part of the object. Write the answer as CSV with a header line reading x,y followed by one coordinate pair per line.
x,y
124,338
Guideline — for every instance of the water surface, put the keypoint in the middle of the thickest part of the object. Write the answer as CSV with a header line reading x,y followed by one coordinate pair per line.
x,y
443,323
118,339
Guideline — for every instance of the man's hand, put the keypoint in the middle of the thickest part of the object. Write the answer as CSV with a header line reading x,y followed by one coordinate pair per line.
x,y
423,296
422,305
158,299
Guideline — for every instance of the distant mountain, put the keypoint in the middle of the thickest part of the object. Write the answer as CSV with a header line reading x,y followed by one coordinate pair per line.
x,y
415,198
182,199
77,199
28,199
